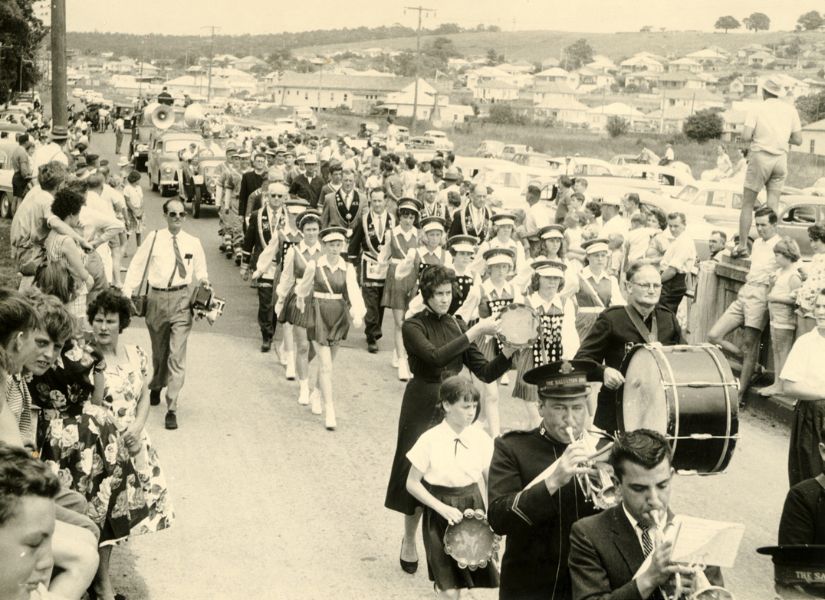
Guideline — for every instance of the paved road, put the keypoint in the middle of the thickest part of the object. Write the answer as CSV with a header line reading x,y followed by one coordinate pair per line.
x,y
271,505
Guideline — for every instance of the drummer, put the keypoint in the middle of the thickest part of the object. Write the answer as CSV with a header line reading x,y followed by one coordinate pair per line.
x,y
596,288
449,465
537,519
618,328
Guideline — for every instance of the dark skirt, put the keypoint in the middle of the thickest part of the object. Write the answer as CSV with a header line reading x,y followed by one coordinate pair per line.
x,y
488,346
330,321
524,362
419,412
584,321
294,316
441,567
398,292
807,432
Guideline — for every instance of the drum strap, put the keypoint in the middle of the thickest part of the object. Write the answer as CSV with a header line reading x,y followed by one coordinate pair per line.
x,y
650,336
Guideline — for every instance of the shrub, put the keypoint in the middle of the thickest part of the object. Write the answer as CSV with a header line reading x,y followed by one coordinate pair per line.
x,y
703,125
617,126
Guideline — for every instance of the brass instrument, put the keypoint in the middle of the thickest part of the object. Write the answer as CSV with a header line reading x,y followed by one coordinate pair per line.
x,y
597,487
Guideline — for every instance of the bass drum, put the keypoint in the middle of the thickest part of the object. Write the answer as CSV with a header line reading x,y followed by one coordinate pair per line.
x,y
688,394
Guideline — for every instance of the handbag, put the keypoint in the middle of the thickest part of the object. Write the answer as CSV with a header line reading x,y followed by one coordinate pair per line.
x,y
139,296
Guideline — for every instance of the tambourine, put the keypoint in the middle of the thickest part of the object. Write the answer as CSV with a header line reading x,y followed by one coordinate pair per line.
x,y
471,542
519,325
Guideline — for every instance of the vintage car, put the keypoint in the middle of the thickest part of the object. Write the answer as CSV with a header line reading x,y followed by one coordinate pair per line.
x,y
139,146
164,157
531,159
126,111
439,139
198,179
7,146
305,117
797,213
511,150
489,149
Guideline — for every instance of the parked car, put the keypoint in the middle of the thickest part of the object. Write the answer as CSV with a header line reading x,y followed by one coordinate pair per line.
x,y
7,146
489,149
403,133
164,160
197,184
796,214
439,138
139,146
305,117
510,150
532,159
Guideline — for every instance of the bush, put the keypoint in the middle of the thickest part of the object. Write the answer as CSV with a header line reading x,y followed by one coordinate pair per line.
x,y
503,114
703,125
617,126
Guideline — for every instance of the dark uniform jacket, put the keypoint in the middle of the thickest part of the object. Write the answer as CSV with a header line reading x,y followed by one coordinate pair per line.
x,y
336,213
803,516
605,554
250,181
611,338
308,189
259,232
463,223
365,242
537,524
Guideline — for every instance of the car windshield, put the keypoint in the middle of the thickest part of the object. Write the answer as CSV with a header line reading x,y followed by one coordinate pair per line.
x,y
688,193
177,145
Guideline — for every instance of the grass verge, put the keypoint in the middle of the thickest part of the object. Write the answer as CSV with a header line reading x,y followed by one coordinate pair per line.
x,y
8,273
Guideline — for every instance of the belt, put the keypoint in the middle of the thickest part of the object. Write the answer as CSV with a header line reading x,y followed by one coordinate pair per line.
x,y
174,288
591,309
395,261
327,296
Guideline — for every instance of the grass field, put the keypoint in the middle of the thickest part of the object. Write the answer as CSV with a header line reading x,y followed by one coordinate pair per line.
x,y
539,45
8,274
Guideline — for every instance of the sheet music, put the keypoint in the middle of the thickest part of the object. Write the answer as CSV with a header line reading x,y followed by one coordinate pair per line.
x,y
706,542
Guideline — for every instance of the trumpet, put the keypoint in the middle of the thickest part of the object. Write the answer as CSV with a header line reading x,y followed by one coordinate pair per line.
x,y
598,488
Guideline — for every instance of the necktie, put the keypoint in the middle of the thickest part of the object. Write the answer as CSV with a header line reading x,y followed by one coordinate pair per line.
x,y
457,442
379,228
647,542
180,268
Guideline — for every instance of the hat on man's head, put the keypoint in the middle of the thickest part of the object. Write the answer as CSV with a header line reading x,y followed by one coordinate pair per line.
x,y
296,206
334,234
433,224
310,159
123,162
772,85
452,174
463,243
564,379
499,256
549,232
548,268
800,566
595,245
335,165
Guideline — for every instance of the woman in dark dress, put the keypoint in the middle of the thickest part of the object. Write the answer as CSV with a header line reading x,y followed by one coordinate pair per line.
x,y
438,345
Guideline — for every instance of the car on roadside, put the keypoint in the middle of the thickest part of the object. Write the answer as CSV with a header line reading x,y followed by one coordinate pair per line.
x,y
796,213
139,146
510,150
7,146
305,117
532,159
164,161
489,149
198,182
439,139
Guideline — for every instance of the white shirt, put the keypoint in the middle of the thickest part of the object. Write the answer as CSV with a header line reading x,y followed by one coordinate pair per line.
x,y
804,362
617,224
638,241
162,262
763,260
569,335
773,121
452,459
114,198
681,254
96,202
48,153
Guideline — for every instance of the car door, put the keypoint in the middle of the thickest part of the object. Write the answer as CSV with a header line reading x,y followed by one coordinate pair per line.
x,y
794,222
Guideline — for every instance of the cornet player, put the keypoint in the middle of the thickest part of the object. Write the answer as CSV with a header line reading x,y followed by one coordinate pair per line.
x,y
609,551
534,497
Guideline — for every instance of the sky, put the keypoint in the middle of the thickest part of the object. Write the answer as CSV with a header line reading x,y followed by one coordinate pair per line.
x,y
234,17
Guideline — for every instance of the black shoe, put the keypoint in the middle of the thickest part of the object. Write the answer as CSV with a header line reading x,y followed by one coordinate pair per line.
x,y
266,345
372,347
171,420
238,260
154,397
408,566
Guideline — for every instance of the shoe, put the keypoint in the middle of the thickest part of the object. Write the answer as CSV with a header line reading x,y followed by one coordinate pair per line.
x,y
228,255
372,347
290,366
303,394
237,260
403,370
266,345
222,248
505,379
315,401
154,397
408,566
394,359
171,420
739,252
329,418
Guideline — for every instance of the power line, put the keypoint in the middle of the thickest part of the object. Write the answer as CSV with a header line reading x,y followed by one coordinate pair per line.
x,y
212,28
421,11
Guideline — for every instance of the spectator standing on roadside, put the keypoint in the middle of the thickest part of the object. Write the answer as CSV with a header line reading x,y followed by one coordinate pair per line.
x,y
21,164
770,127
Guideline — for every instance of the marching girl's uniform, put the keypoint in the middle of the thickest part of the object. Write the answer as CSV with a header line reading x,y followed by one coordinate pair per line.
x,y
399,292
494,299
557,337
496,242
594,292
453,465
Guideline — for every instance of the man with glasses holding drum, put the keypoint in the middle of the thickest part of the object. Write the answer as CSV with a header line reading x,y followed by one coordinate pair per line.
x,y
618,328
534,495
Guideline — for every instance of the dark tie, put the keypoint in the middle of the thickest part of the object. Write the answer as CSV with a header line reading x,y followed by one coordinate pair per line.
x,y
457,442
647,542
180,268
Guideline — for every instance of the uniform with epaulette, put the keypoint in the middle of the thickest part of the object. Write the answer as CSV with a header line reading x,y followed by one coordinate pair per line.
x,y
537,523
612,336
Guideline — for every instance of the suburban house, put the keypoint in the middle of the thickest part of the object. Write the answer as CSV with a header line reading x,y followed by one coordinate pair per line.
x,y
431,103
641,62
813,138
598,115
593,79
485,74
601,63
685,64
549,95
247,63
710,58
760,59
680,80
556,75
198,85
644,80
495,90
745,52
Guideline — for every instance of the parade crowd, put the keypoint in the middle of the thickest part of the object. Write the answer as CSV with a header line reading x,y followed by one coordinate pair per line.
x,y
330,236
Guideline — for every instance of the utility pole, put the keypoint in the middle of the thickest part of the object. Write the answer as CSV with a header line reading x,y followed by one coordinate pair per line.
x,y
212,28
421,11
60,116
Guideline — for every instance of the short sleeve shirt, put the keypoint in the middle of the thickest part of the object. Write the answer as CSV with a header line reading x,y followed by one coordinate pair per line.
x,y
681,254
773,121
452,460
804,362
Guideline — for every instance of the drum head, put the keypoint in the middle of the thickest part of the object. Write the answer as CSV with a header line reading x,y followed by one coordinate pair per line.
x,y
643,398
471,542
519,325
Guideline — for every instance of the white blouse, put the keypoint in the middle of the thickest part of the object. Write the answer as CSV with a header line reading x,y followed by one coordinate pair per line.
x,y
449,459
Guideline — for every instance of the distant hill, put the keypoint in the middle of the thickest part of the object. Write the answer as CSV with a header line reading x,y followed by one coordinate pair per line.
x,y
538,45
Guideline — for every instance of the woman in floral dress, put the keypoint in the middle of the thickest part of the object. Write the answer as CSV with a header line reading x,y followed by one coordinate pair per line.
x,y
126,397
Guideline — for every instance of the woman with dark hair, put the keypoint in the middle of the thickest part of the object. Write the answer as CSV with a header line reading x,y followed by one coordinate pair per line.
x,y
438,345
814,279
63,250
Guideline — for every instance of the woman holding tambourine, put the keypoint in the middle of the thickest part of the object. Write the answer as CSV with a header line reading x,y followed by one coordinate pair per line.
x,y
438,345
557,337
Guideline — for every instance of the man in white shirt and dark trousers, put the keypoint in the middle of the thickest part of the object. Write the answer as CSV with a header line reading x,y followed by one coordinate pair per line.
x,y
176,263
677,262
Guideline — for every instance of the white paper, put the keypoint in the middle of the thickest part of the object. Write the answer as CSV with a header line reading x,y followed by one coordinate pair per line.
x,y
706,542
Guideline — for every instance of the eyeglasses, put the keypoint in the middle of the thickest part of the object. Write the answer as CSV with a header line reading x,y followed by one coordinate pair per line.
x,y
648,286
278,195
176,214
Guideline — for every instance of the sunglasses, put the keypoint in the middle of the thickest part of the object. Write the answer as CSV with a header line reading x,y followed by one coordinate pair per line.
x,y
174,214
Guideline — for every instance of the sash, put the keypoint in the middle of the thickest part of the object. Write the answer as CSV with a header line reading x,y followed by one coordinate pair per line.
x,y
366,218
264,227
592,292
650,336
479,233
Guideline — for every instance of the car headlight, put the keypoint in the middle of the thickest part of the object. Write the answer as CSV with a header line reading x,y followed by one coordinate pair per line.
x,y
142,147
167,170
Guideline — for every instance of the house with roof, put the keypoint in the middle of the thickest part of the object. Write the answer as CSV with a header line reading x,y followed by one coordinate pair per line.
x,y
430,102
198,85
593,79
641,62
746,51
556,75
598,116
680,80
710,59
736,87
813,138
643,80
566,111
685,64
476,77
549,95
519,67
496,90
601,63
248,63
760,59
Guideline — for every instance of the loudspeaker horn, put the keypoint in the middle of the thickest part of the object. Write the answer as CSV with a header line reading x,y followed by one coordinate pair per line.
x,y
163,117
194,115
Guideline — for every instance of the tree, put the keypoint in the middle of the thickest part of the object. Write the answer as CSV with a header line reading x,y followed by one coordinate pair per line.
x,y
492,57
811,108
504,114
646,29
20,33
727,22
576,55
810,21
617,126
441,49
757,21
703,125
